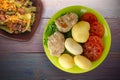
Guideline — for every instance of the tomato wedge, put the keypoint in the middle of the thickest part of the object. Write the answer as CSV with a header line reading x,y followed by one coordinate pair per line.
x,y
97,29
93,48
89,17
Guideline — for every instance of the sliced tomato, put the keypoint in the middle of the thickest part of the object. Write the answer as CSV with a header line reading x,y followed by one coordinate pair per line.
x,y
97,29
89,17
93,48
96,40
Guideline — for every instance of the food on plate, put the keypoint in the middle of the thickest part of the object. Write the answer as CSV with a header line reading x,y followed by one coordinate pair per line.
x,y
16,16
66,22
93,48
82,40
96,28
73,47
49,31
80,31
66,61
89,17
56,44
82,62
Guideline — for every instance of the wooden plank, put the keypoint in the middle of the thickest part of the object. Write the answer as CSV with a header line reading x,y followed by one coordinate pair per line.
x,y
108,8
115,33
35,44
19,66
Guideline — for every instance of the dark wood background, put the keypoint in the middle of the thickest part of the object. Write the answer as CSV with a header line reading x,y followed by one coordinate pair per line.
x,y
27,60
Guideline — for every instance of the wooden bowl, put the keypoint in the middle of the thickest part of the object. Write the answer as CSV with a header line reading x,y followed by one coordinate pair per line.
x,y
27,35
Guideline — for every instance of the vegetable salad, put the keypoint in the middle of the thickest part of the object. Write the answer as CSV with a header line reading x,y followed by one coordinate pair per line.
x,y
16,16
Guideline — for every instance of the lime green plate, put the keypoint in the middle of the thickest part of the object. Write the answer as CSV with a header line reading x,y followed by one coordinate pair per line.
x,y
51,28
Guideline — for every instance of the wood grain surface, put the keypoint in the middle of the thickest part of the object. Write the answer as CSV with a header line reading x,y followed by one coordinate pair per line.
x,y
21,66
27,60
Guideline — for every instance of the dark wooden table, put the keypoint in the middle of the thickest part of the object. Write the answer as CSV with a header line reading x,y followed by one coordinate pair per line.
x,y
27,60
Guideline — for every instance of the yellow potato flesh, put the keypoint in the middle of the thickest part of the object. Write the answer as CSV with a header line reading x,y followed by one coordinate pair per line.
x,y
80,31
66,61
82,62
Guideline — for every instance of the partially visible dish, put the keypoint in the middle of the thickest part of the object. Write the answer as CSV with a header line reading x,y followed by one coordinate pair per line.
x,y
16,16
79,26
18,19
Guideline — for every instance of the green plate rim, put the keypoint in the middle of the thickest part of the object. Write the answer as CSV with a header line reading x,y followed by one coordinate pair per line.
x,y
108,44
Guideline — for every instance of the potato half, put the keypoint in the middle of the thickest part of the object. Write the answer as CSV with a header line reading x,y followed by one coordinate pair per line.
x,y
66,61
80,31
73,47
82,62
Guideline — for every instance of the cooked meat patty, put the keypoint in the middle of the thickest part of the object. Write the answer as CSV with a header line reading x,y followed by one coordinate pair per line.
x,y
66,22
56,44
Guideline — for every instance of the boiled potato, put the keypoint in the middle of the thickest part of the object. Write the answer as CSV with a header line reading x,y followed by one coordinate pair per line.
x,y
80,31
66,61
73,47
82,62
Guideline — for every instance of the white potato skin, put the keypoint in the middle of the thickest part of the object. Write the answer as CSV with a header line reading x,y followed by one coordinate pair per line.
x,y
82,62
73,47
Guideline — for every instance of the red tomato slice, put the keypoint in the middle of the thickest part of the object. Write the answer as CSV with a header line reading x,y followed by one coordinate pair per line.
x,y
96,40
93,48
89,17
97,28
